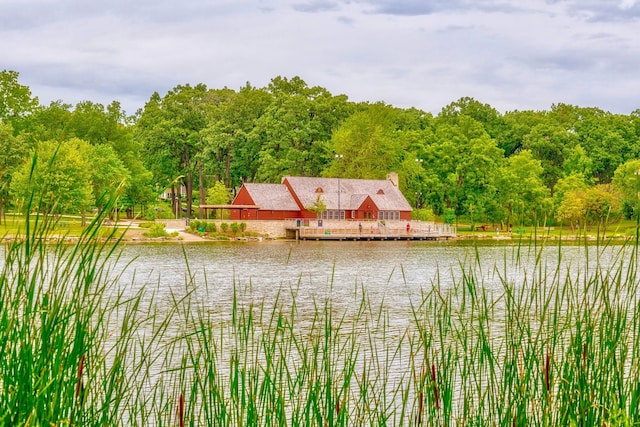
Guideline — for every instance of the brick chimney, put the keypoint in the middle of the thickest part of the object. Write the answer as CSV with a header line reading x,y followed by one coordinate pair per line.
x,y
393,177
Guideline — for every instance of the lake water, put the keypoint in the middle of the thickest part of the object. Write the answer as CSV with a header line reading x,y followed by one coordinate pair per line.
x,y
394,277
392,272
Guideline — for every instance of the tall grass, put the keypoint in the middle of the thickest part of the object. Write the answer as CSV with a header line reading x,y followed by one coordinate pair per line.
x,y
550,346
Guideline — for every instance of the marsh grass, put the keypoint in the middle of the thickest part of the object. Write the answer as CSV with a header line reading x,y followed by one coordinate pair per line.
x,y
553,345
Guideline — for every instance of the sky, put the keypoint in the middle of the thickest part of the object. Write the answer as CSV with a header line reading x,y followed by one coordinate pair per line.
x,y
510,54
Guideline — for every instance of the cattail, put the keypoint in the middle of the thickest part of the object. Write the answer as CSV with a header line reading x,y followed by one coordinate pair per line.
x,y
436,392
79,385
338,407
181,410
546,372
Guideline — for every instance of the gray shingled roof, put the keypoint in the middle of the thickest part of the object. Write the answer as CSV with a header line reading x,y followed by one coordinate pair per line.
x,y
274,197
352,192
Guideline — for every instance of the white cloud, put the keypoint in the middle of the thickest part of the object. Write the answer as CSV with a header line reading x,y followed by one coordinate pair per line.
x,y
512,55
627,4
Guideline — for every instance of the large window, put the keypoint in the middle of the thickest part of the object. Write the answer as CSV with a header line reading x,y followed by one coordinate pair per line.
x,y
389,215
332,214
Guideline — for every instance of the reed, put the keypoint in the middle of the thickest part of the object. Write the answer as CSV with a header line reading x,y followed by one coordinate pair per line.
x,y
499,344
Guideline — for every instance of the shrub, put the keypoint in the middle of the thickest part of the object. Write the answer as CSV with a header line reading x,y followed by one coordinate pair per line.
x,y
157,230
224,227
210,227
149,215
235,228
243,227
449,216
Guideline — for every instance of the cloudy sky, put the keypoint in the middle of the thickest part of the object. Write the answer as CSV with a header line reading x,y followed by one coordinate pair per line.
x,y
511,54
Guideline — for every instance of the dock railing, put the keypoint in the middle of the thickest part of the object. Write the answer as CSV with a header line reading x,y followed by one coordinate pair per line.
x,y
371,230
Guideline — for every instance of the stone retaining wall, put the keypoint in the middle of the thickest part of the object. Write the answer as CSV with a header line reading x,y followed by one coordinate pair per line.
x,y
272,229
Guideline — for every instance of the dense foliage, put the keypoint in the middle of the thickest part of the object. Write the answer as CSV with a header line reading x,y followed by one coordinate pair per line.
x,y
571,164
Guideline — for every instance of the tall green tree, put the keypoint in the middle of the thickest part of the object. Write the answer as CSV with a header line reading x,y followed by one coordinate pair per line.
x,y
296,127
107,170
231,149
170,128
518,125
490,119
521,191
626,183
13,150
601,204
56,179
219,194
366,144
16,100
569,199
464,161
548,142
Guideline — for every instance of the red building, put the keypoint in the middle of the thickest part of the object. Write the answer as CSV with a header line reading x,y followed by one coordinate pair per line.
x,y
351,199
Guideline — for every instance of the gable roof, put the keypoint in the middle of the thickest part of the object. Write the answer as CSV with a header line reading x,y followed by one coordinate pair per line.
x,y
352,192
274,197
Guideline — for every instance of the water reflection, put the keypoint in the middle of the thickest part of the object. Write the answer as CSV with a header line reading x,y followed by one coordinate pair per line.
x,y
392,274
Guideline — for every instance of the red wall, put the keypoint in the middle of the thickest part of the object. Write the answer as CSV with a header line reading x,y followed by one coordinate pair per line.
x,y
243,197
253,214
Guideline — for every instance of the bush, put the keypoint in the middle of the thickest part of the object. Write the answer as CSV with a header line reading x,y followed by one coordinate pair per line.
x,y
449,216
224,227
157,230
149,215
235,228
243,227
194,225
210,227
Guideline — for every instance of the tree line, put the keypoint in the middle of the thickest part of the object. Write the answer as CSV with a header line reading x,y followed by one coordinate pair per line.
x,y
569,164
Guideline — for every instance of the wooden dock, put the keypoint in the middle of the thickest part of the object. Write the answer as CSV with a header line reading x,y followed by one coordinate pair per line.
x,y
353,232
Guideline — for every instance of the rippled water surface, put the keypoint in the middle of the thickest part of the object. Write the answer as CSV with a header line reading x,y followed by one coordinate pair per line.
x,y
391,273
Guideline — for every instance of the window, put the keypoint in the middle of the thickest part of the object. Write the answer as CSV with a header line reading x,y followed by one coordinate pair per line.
x,y
389,215
333,214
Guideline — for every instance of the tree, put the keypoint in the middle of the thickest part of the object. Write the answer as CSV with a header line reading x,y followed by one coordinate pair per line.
x,y
12,152
57,179
231,153
368,144
107,170
601,204
517,125
295,129
47,123
318,207
572,208
15,99
170,128
219,194
568,198
626,183
608,140
577,162
492,122
464,162
520,187
548,142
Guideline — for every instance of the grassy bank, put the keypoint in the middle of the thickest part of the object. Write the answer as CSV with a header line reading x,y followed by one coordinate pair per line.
x,y
555,346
